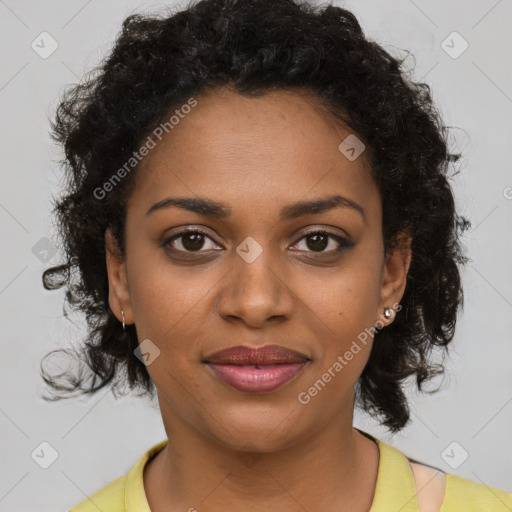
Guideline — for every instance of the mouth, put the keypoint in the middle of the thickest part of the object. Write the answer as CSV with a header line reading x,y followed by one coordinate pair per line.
x,y
256,370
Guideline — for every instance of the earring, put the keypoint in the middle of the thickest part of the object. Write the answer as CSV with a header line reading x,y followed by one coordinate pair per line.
x,y
389,312
122,314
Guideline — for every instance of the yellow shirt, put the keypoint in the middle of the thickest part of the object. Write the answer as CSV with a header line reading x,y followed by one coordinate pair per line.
x,y
395,489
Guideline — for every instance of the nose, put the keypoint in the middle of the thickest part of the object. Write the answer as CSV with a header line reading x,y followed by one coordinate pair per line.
x,y
256,292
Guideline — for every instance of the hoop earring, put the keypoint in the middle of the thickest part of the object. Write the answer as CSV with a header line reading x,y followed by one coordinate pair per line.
x,y
122,314
389,312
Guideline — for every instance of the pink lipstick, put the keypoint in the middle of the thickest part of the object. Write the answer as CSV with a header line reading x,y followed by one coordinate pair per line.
x,y
256,370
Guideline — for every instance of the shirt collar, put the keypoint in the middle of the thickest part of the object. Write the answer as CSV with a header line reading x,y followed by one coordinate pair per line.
x,y
135,499
395,481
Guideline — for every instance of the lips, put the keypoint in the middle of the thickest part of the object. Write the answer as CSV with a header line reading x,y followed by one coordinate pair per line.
x,y
256,370
267,355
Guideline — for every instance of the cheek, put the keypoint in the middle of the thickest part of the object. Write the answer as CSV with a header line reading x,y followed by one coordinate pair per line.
x,y
164,303
346,299
344,308
168,309
170,303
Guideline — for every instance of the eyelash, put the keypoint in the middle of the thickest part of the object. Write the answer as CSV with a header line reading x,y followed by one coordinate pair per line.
x,y
343,242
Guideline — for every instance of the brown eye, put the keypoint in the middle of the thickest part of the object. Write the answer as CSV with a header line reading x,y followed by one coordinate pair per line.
x,y
193,241
189,241
318,241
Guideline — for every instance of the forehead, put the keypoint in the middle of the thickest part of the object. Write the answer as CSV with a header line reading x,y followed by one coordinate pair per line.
x,y
281,145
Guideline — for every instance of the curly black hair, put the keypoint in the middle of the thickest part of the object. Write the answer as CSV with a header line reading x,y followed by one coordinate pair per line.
x,y
160,61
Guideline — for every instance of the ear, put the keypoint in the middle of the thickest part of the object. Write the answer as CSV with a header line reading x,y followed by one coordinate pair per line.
x,y
394,278
118,292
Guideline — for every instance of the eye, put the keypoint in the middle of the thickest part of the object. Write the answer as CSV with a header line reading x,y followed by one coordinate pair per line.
x,y
318,241
194,240
189,241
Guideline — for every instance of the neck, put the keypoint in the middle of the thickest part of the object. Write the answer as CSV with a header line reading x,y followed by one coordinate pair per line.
x,y
335,469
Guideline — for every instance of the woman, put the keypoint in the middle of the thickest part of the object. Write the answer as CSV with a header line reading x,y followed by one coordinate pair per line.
x,y
260,214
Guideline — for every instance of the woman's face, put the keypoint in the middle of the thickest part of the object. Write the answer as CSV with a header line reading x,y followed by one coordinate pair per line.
x,y
254,278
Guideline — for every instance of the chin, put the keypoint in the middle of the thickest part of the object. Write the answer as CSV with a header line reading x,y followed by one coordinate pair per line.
x,y
258,430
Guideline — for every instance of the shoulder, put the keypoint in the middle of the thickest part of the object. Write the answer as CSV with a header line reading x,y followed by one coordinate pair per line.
x,y
123,493
446,492
400,477
430,486
474,496
109,498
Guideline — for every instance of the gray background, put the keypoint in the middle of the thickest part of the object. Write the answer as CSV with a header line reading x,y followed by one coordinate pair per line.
x,y
99,439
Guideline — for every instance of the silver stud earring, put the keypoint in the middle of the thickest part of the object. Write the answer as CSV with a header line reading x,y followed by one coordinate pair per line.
x,y
122,314
389,312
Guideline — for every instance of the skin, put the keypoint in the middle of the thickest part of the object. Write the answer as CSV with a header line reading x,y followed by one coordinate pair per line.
x,y
256,155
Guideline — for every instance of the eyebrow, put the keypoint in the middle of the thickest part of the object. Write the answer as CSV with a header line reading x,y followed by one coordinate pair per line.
x,y
219,210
